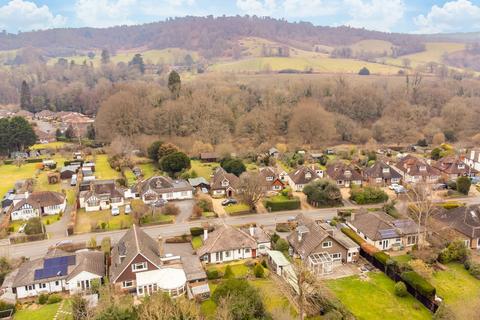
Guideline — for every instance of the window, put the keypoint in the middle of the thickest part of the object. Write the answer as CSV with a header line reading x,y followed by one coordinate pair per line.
x,y
140,290
127,284
398,239
227,254
261,247
139,266
411,240
467,243
184,193
336,256
239,250
327,244
218,256
29,288
57,283
42,285
386,170
378,180
247,250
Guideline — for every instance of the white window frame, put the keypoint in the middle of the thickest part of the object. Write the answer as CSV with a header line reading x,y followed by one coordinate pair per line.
x,y
127,284
336,256
140,266
327,244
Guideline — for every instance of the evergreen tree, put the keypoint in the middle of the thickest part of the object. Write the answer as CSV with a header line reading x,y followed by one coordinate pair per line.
x,y
137,61
69,133
105,56
364,72
58,134
91,132
174,83
20,134
25,97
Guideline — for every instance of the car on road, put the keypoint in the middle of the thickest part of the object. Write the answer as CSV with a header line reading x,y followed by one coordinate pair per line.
x,y
229,201
128,209
115,211
63,242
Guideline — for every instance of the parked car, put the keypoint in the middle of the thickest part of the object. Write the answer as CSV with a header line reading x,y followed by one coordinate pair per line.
x,y
115,211
128,209
394,186
400,189
228,202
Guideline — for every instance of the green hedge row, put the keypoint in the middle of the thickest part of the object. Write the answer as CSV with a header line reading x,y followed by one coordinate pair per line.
x,y
381,257
289,204
196,231
34,160
69,162
352,235
419,283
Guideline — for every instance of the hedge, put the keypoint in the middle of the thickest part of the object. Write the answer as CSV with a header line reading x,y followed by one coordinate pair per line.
x,y
287,204
418,283
196,231
381,257
368,195
69,162
451,205
352,235
213,274
33,160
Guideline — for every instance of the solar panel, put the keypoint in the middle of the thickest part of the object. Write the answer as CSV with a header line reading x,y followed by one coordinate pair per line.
x,y
59,261
388,233
50,272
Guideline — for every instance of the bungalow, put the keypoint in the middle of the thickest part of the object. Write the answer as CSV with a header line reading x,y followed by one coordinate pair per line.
x,y
383,231
463,221
321,246
452,167
382,174
270,179
273,152
58,271
209,157
344,175
302,176
139,266
37,204
100,195
163,188
415,170
223,183
227,243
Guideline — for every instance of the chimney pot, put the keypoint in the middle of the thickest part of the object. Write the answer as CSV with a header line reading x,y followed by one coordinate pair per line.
x,y
252,230
205,234
160,246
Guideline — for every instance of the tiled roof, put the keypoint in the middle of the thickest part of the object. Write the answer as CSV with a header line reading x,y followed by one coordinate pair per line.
x,y
465,220
40,199
376,171
341,171
163,184
221,175
303,175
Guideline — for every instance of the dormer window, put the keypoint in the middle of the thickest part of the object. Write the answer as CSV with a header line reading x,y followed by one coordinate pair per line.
x,y
348,173
461,166
269,178
121,258
386,170
308,176
423,168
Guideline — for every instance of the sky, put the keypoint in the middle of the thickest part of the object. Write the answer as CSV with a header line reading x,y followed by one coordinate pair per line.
x,y
423,16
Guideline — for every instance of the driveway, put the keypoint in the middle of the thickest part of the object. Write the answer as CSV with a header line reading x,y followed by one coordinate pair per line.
x,y
59,229
185,207
218,208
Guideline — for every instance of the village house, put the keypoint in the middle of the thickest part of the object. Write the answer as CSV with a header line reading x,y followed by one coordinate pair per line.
x,y
452,167
344,175
58,271
415,170
100,195
321,246
462,223
223,183
77,121
209,157
382,174
383,231
37,204
138,265
473,159
68,171
227,243
270,179
302,176
161,188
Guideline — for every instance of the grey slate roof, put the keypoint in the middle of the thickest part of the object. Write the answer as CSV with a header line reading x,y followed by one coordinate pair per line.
x,y
376,171
40,199
312,236
163,184
465,220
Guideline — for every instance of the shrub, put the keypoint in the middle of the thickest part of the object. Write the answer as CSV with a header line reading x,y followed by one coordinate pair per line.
x,y
323,193
196,231
274,238
456,251
6,306
213,274
400,289
171,209
282,245
175,162
264,263
368,195
235,166
33,226
419,283
54,298
282,227
463,185
280,205
472,268
352,235
228,273
42,298
381,257
451,205
258,271
364,71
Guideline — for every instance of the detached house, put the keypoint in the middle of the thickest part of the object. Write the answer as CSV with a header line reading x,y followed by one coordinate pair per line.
x,y
321,246
344,175
473,159
223,183
453,167
227,243
139,266
302,176
101,195
383,231
415,170
462,223
37,204
382,174
270,179
164,188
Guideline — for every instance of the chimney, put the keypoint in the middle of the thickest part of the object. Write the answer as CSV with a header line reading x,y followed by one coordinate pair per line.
x,y
26,194
160,246
205,234
299,236
352,216
252,230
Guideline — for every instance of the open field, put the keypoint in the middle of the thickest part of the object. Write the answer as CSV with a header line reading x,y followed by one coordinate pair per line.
x,y
433,53
253,47
459,289
374,46
378,294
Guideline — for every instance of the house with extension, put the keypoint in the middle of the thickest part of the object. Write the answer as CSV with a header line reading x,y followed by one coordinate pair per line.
x,y
462,223
161,188
139,266
473,159
223,184
271,181
382,174
344,175
415,170
383,231
321,246
37,204
452,167
100,195
302,176
58,271
227,243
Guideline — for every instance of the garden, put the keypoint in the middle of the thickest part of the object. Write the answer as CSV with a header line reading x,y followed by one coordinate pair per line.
x,y
203,169
237,209
101,221
282,201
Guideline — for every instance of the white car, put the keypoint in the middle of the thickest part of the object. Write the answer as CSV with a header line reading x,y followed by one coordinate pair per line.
x,y
394,186
128,209
115,211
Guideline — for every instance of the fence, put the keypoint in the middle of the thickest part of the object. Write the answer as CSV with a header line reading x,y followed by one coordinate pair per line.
x,y
390,271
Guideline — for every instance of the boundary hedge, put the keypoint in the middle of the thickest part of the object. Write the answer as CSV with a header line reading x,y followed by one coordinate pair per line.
x,y
280,205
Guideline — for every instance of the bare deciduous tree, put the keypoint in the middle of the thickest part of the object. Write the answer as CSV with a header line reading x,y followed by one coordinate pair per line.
x,y
251,188
421,208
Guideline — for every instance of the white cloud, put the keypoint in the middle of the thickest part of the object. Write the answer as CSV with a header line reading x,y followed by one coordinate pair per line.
x,y
105,13
257,7
25,16
453,16
374,14
310,8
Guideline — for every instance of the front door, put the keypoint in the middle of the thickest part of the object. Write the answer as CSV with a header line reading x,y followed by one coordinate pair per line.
x,y
229,193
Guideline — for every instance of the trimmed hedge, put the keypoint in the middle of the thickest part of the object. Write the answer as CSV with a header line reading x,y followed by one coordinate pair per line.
x,y
368,195
419,283
352,235
287,204
213,274
451,205
381,257
196,231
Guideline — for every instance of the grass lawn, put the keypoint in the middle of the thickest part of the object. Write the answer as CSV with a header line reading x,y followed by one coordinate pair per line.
x,y
375,298
11,173
52,219
131,178
85,220
203,169
43,312
197,242
402,259
149,170
237,209
50,145
157,218
460,290
209,214
103,171
239,269
251,166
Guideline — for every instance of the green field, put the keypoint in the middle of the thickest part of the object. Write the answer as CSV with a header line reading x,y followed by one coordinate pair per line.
x,y
50,145
103,171
374,298
374,46
203,169
433,53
